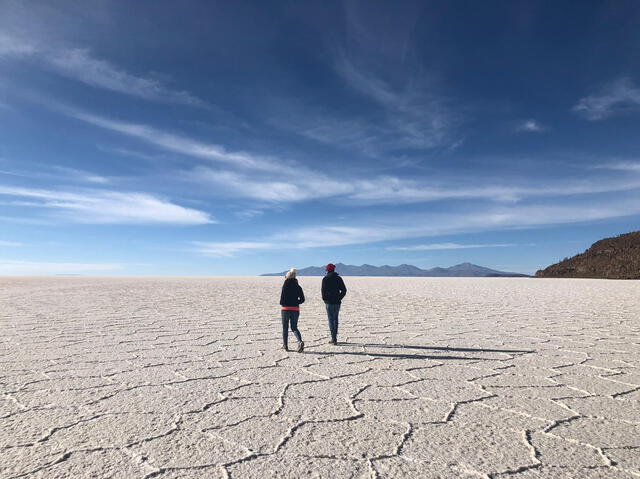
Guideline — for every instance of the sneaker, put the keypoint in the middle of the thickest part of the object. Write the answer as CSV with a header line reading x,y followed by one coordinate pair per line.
x,y
301,346
285,348
333,342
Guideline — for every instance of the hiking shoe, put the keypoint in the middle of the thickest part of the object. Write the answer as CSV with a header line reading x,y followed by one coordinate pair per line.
x,y
301,346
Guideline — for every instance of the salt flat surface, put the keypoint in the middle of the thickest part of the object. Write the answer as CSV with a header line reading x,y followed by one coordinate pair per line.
x,y
439,378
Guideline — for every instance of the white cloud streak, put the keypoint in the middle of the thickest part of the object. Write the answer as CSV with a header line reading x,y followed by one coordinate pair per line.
x,y
176,143
58,173
391,190
395,104
270,179
11,46
417,226
82,175
285,187
413,117
109,207
394,190
231,248
619,96
39,268
444,246
530,126
281,187
620,166
435,225
79,64
275,181
10,243
407,107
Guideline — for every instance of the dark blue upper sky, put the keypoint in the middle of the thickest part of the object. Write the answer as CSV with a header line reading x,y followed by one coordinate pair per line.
x,y
245,137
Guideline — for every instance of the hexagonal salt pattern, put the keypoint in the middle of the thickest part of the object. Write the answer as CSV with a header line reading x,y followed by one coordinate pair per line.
x,y
434,378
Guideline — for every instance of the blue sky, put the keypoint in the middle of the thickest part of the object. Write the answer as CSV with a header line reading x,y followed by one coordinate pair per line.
x,y
216,138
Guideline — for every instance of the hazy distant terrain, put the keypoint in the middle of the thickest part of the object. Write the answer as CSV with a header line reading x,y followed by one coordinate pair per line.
x,y
463,270
440,377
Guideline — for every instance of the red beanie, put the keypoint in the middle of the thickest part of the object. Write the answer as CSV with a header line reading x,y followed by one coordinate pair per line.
x,y
330,267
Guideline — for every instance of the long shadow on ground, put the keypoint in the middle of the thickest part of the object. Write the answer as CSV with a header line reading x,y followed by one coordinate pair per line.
x,y
389,355
439,348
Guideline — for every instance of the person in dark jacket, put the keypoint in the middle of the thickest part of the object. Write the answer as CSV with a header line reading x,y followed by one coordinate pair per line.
x,y
291,298
333,290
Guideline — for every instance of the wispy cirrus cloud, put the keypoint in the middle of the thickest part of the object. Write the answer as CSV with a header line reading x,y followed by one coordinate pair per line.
x,y
444,246
82,175
44,268
341,130
11,243
248,214
620,166
388,100
530,126
618,96
414,115
489,219
385,70
275,180
107,207
396,190
391,117
131,153
253,176
79,64
401,227
174,142
278,187
309,185
11,46
58,173
82,65
230,248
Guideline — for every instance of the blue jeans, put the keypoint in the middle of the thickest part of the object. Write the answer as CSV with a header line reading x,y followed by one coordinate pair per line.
x,y
332,316
290,318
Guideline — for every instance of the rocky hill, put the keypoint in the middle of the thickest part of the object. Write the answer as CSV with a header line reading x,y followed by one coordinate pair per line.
x,y
405,270
609,258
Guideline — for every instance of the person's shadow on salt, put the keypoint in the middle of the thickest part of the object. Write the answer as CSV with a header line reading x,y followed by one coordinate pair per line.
x,y
407,355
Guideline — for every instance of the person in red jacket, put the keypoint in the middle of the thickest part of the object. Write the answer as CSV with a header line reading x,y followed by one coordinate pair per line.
x,y
291,298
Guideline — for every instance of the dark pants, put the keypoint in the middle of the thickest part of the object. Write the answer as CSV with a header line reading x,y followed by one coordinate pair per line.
x,y
290,317
332,316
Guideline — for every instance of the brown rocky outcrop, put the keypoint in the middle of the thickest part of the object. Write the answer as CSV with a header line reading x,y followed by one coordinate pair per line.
x,y
609,258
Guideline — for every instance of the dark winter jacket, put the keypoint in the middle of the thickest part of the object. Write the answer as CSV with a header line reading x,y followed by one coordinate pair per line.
x,y
292,294
333,288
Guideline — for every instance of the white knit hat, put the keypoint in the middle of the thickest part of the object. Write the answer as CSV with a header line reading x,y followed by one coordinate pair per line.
x,y
290,274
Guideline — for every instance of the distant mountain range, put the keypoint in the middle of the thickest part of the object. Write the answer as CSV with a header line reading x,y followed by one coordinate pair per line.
x,y
459,270
609,258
